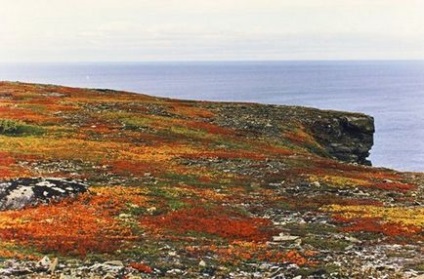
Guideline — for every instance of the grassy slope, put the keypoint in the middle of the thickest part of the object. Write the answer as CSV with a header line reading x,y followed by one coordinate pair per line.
x,y
167,178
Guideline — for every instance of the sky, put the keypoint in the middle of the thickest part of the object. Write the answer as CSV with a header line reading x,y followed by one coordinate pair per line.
x,y
202,30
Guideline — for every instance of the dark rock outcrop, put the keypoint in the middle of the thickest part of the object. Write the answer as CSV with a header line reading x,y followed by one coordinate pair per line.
x,y
347,138
22,192
344,135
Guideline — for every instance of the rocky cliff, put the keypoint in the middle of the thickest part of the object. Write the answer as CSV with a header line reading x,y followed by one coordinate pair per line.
x,y
345,136
348,138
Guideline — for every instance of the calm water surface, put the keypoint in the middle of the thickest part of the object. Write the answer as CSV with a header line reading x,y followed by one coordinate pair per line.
x,y
391,91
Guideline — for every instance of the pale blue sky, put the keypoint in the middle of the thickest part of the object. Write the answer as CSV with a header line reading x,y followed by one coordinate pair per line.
x,y
139,30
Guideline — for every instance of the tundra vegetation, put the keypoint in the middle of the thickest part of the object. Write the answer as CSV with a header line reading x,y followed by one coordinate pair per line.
x,y
176,183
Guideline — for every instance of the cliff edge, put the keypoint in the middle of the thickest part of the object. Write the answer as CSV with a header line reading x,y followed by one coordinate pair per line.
x,y
347,138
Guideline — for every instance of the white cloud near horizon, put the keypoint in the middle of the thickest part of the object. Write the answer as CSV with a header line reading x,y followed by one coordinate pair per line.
x,y
140,30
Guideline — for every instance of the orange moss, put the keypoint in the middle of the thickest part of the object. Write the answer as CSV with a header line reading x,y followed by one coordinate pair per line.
x,y
27,115
274,150
124,167
6,159
191,110
7,251
300,137
377,225
210,128
87,224
141,267
219,221
394,186
9,168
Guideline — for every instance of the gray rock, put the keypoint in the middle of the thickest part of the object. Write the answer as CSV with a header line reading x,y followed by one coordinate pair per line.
x,y
44,263
316,184
284,237
109,267
22,192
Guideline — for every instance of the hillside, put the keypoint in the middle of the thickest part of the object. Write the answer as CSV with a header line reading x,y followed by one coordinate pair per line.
x,y
182,189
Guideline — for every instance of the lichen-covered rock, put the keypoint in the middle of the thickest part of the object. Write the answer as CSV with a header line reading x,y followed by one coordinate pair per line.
x,y
19,193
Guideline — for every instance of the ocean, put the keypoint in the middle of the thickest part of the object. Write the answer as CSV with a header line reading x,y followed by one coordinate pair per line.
x,y
391,91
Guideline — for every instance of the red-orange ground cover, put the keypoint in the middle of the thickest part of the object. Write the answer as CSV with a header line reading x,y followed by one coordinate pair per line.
x,y
219,221
79,226
394,186
377,225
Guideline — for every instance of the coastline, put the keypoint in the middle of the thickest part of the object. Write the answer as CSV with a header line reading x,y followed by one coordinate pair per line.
x,y
390,91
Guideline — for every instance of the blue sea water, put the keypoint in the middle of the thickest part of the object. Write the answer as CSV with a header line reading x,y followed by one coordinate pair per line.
x,y
391,91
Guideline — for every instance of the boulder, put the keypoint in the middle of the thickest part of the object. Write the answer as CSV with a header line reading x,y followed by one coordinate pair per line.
x,y
22,192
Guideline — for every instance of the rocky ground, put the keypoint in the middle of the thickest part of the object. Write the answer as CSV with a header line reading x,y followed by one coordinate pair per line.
x,y
106,184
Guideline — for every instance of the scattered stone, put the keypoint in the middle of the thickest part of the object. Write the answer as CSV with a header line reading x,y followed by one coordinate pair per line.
x,y
114,263
44,263
151,210
53,265
352,239
316,184
108,267
172,253
284,237
175,271
53,94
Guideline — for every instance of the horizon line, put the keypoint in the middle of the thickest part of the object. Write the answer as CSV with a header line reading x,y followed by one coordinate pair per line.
x,y
212,61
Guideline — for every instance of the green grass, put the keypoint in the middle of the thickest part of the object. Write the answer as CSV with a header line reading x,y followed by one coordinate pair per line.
x,y
17,128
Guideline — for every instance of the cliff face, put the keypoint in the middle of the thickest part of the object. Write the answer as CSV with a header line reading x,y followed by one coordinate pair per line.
x,y
347,138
